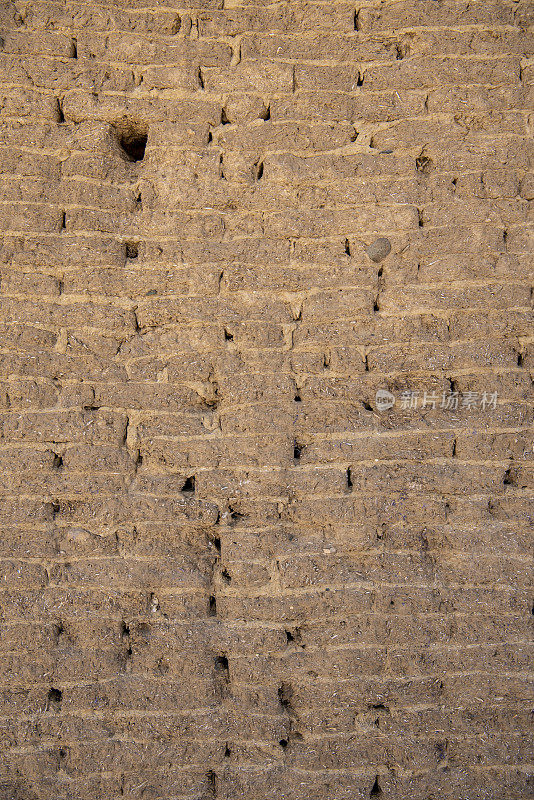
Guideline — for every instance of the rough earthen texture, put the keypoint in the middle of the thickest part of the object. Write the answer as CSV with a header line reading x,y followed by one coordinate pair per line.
x,y
228,569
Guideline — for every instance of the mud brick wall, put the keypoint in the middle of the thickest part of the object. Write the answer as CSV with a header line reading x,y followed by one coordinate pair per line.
x,y
267,361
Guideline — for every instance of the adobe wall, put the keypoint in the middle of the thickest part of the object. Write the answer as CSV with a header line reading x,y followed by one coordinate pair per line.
x,y
266,400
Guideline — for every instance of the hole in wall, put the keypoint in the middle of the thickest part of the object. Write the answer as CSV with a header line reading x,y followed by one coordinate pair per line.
x,y
54,699
63,224
57,631
224,117
211,778
285,694
376,791
265,113
131,250
423,163
73,48
508,479
212,608
222,668
235,516
189,485
357,24
58,111
297,451
132,138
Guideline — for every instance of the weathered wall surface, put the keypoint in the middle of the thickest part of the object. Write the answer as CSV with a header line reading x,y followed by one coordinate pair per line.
x,y
228,570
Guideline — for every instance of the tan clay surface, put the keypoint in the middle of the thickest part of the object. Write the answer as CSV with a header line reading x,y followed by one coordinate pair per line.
x,y
266,418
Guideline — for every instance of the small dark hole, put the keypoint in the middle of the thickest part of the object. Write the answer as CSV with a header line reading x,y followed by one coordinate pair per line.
x,y
289,637
227,752
349,479
298,398
259,171
210,137
376,791
131,250
357,25
225,575
347,247
125,630
266,113
217,544
57,463
520,359
55,695
297,452
58,630
60,116
189,485
285,694
424,164
176,25
224,117
212,612
283,743
222,667
228,336
200,78
367,406
63,220
133,143
211,777
73,48
361,78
